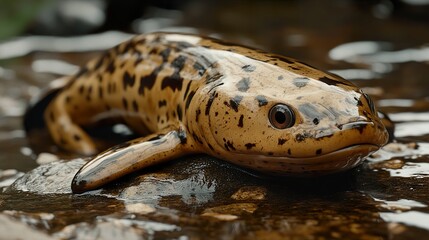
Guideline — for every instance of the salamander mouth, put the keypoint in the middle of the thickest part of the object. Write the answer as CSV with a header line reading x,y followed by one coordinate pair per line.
x,y
335,161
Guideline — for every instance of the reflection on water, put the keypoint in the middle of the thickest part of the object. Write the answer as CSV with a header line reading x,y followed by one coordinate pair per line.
x,y
368,52
54,66
411,218
377,56
411,169
25,45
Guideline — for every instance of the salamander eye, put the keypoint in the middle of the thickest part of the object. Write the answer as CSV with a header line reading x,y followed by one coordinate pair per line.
x,y
281,116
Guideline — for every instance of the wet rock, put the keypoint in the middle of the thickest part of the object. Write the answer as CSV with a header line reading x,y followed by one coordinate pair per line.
x,y
14,229
101,230
45,158
49,178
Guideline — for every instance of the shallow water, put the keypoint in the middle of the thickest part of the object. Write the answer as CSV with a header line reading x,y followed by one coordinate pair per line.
x,y
383,51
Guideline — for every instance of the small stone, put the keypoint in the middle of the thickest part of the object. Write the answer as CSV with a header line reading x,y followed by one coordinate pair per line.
x,y
139,208
232,209
8,173
388,164
223,217
45,158
250,193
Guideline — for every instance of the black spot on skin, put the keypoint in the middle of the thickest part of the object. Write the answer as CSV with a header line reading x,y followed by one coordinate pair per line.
x,y
165,54
248,68
249,145
283,59
210,102
329,81
174,81
154,51
179,112
271,154
141,41
229,145
243,84
234,103
213,78
162,103
128,80
280,77
197,138
319,151
81,89
111,67
127,46
216,114
189,99
99,62
262,101
299,137
281,141
76,137
187,90
100,92
178,63
306,64
300,81
147,82
295,68
197,114
125,103
289,152
138,60
199,68
240,121
316,121
359,103
135,106
210,146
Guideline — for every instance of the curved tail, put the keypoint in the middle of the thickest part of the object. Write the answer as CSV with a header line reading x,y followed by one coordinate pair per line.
x,y
34,115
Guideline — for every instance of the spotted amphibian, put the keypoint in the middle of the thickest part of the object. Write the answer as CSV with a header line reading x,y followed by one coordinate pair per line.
x,y
187,94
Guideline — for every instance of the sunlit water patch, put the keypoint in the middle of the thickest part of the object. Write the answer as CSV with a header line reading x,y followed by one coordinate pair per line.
x,y
411,218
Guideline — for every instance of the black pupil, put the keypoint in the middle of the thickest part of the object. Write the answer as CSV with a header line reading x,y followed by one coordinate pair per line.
x,y
280,116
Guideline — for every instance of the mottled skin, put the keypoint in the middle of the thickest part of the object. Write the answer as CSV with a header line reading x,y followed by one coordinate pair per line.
x,y
199,95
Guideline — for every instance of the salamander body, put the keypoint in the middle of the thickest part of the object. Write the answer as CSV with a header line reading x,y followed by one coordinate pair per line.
x,y
187,94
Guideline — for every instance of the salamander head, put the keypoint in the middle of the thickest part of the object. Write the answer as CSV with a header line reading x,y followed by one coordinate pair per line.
x,y
293,124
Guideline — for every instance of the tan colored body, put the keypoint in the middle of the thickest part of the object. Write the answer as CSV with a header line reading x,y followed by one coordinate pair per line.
x,y
199,95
